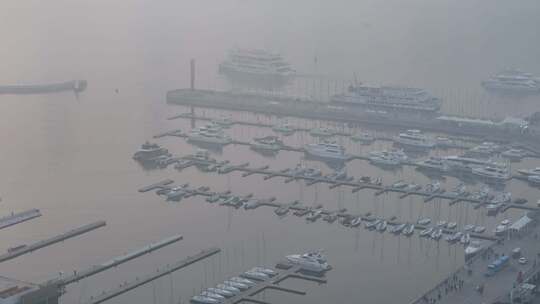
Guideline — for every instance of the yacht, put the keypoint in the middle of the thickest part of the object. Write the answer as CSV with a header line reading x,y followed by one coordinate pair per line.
x,y
388,158
282,210
434,187
468,227
459,190
528,172
221,292
267,143
441,224
433,164
331,151
266,271
338,175
512,80
255,64
223,121
212,295
399,184
473,248
372,224
243,281
479,229
388,98
534,179
436,234
424,221
485,149
149,151
397,229
426,232
493,173
500,230
204,300
314,262
363,138
228,288
454,237
209,135
514,154
409,230
465,239
482,194
459,164
254,275
321,132
311,173
314,215
451,225
284,128
503,197
355,222
444,142
414,139
237,285
381,227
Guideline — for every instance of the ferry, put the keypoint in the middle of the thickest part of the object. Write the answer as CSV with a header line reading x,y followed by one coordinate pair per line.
x,y
256,64
388,98
326,150
414,139
512,80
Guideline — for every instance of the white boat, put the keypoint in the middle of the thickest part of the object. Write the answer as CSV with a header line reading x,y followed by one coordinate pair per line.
x,y
433,164
228,288
321,132
364,138
267,271
424,221
482,194
484,150
204,300
356,221
388,98
254,275
505,222
468,227
454,237
256,65
493,173
372,224
284,128
513,80
384,161
209,135
444,142
222,292
223,121
311,172
534,179
212,295
413,187
479,229
397,229
441,224
473,248
309,262
314,215
399,184
434,187
465,239
330,151
529,172
282,210
500,229
436,234
240,286
502,197
459,190
243,281
426,232
409,230
337,175
451,225
149,151
267,143
381,227
461,164
514,154
414,139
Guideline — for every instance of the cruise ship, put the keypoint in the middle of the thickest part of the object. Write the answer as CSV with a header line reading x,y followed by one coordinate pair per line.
x,y
330,151
389,98
244,64
513,81
414,139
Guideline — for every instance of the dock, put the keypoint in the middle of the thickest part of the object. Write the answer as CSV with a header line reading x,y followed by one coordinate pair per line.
x,y
16,218
24,249
125,287
76,276
158,185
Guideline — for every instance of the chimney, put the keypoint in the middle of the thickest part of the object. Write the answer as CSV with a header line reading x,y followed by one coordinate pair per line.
x,y
192,63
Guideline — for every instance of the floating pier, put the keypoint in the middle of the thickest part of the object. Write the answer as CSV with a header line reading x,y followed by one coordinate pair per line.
x,y
76,276
16,218
24,249
158,185
123,288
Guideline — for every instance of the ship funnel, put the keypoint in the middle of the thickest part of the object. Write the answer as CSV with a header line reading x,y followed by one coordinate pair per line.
x,y
192,74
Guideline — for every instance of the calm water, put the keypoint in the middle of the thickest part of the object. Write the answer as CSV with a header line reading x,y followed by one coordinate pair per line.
x,y
71,157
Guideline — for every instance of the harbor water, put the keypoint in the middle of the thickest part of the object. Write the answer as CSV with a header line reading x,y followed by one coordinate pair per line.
x,y
70,156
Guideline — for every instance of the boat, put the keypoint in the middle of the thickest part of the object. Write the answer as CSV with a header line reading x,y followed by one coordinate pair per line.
x,y
485,149
338,175
150,151
204,300
355,222
502,197
505,222
213,198
434,187
454,237
222,292
397,229
330,217
381,227
314,262
399,184
460,164
468,227
451,225
284,128
228,288
388,158
331,151
432,164
372,224
514,154
209,134
176,194
465,239
237,285
388,98
233,201
266,271
529,172
321,132
424,221
314,215
256,65
223,121
243,281
426,232
436,234
482,195
513,80
441,224
282,210
251,204
302,212
409,230
254,275
479,229
414,139
473,248
534,179
444,142
492,173
364,138
212,295
384,161
413,187
500,230
311,173
76,86
459,191
267,143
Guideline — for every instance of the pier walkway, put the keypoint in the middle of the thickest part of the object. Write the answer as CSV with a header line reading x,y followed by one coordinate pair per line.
x,y
16,218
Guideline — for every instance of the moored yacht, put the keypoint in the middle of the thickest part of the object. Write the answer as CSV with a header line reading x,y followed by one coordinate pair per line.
x,y
514,154
527,172
364,138
326,150
433,164
314,262
267,143
149,151
321,132
534,179
414,139
210,134
284,128
493,173
204,300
